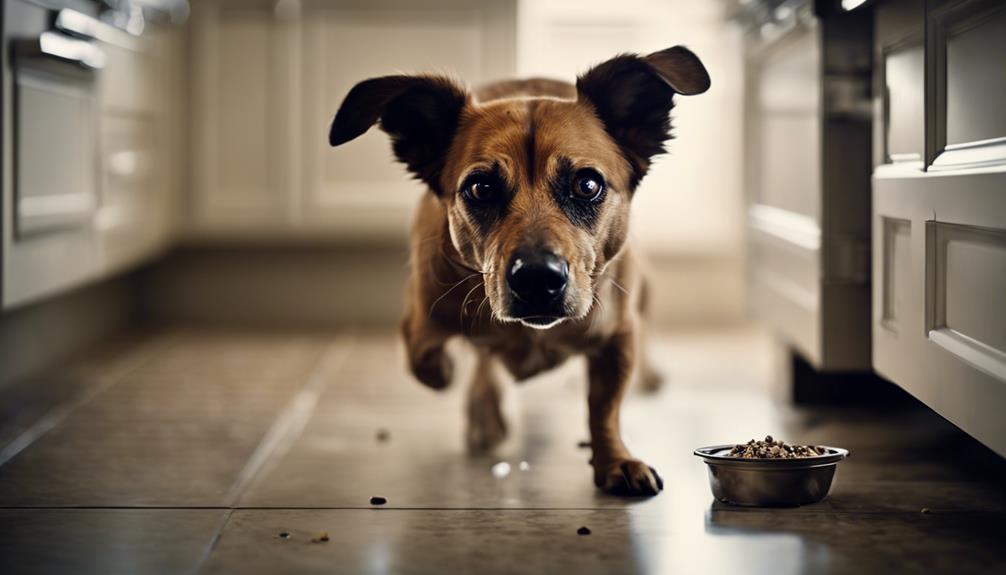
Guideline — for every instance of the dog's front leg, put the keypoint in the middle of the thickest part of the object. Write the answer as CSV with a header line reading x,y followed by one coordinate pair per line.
x,y
424,347
615,470
486,426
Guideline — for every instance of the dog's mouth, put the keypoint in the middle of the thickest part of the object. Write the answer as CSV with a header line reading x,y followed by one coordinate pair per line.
x,y
541,321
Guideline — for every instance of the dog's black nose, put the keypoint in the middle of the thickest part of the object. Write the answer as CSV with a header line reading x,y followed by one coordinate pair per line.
x,y
537,279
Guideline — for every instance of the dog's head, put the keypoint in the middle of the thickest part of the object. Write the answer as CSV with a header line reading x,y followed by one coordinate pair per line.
x,y
536,190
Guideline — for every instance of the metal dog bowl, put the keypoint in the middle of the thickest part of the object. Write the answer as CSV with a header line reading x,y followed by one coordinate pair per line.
x,y
761,482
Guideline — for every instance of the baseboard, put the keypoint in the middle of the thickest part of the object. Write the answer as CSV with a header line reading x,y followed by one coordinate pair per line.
x,y
38,336
279,286
320,286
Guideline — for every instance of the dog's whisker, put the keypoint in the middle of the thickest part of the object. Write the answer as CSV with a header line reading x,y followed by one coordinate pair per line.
x,y
443,295
478,310
619,286
464,304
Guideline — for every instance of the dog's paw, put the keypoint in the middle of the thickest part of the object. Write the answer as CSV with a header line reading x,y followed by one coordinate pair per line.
x,y
486,427
628,478
434,369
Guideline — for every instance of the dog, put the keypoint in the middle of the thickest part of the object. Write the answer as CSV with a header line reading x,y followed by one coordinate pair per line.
x,y
520,244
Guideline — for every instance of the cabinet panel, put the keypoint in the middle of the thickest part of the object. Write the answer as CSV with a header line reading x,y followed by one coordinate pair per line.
x,y
268,78
787,113
904,72
965,291
55,176
896,265
966,47
976,83
360,189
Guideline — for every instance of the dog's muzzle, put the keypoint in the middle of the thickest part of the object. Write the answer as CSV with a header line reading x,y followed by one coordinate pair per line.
x,y
537,283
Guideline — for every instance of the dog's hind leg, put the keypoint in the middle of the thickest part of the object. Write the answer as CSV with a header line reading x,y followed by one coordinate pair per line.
x,y
486,427
650,378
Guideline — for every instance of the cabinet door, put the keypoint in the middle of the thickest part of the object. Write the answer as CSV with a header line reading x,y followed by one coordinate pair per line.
x,y
269,76
359,189
784,186
939,220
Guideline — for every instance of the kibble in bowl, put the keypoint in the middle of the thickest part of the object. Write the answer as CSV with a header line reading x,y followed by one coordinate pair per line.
x,y
771,473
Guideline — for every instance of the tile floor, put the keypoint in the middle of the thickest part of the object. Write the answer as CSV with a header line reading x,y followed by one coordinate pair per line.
x,y
192,451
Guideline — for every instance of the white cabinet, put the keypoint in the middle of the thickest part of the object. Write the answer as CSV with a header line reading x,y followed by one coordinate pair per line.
x,y
91,159
269,76
939,210
807,178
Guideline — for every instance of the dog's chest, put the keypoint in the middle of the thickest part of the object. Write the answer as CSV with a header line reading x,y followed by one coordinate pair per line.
x,y
525,356
528,361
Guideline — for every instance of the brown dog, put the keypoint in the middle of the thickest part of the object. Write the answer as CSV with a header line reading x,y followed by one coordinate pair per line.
x,y
530,184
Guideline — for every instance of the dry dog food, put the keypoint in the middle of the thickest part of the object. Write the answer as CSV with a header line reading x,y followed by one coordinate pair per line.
x,y
378,501
583,531
321,538
772,449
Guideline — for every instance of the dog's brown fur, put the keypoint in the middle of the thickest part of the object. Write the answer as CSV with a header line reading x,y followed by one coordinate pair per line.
x,y
530,133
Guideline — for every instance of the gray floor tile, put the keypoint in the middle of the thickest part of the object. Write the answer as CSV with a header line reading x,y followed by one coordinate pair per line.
x,y
161,438
105,541
621,541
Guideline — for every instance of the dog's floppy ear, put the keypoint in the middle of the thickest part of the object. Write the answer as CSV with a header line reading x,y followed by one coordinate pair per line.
x,y
633,96
420,113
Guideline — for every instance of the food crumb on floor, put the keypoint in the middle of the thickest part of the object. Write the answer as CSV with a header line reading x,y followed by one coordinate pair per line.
x,y
924,511
321,538
383,435
524,466
583,531
378,501
501,470
284,535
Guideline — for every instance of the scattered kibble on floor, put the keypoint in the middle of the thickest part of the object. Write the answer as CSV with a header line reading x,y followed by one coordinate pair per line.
x,y
378,501
321,538
284,535
583,531
925,511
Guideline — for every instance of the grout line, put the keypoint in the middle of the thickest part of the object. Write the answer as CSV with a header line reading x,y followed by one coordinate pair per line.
x,y
327,508
230,510
59,413
287,427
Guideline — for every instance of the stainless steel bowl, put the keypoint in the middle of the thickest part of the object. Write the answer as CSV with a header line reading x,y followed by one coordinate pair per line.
x,y
762,482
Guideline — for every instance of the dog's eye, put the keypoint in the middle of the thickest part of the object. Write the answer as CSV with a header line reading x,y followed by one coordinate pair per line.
x,y
588,186
480,190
